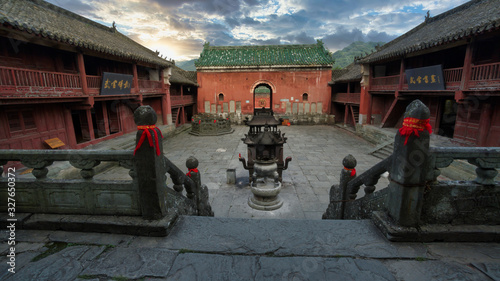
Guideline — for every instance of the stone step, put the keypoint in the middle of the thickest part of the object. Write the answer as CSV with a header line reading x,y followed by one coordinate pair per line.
x,y
285,237
383,150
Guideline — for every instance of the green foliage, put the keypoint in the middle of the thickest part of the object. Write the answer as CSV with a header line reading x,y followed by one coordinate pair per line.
x,y
346,56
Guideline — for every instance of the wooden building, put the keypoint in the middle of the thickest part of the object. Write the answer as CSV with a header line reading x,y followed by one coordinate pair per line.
x,y
289,79
183,94
64,76
346,89
452,63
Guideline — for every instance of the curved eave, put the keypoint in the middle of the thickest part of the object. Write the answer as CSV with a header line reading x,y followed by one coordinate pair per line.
x,y
462,35
75,42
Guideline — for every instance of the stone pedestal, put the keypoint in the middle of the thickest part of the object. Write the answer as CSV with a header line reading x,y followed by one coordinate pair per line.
x,y
265,187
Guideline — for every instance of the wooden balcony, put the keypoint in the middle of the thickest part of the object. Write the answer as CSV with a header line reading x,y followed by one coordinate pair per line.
x,y
485,76
16,82
150,87
482,77
346,98
25,82
182,100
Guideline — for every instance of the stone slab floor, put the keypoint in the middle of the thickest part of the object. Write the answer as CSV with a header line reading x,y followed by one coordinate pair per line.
x,y
317,153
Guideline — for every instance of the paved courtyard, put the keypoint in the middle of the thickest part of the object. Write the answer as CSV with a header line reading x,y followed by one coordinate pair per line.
x,y
233,246
317,153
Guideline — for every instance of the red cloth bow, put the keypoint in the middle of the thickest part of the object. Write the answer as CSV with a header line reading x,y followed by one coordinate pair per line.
x,y
353,171
146,133
413,126
195,170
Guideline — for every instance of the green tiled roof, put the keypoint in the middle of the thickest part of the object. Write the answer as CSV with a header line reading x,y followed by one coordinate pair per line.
x,y
266,55
48,21
467,20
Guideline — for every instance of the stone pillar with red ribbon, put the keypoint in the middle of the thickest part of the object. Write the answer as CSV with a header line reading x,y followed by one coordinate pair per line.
x,y
339,194
148,164
201,193
410,166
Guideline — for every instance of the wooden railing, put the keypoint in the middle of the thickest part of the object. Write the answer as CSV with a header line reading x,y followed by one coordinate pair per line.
x,y
489,71
485,75
181,100
385,83
150,86
16,81
346,98
33,78
452,74
94,81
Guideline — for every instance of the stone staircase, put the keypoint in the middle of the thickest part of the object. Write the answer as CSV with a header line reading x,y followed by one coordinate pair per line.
x,y
383,150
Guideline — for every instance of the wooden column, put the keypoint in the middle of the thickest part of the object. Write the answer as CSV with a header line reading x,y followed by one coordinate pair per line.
x,y
346,114
164,103
135,79
136,83
484,123
90,124
105,118
83,74
70,130
401,77
466,72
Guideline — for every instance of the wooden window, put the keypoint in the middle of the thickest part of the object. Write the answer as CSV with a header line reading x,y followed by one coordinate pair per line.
x,y
21,121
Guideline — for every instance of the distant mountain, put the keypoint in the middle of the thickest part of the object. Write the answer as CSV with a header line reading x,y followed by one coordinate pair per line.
x,y
346,56
187,65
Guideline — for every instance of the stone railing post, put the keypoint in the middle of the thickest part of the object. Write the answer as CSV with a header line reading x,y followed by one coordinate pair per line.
x,y
148,164
201,191
409,169
339,193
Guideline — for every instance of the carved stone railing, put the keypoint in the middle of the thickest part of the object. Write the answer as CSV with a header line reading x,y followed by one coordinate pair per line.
x,y
486,159
414,189
146,194
87,195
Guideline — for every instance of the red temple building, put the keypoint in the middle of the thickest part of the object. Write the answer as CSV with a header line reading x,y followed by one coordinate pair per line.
x,y
291,80
64,76
452,63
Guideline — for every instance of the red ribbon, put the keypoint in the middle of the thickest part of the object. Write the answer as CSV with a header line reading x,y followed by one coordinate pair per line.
x,y
414,126
195,170
353,171
146,133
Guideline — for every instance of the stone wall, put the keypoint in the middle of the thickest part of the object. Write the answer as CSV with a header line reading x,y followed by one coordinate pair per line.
x,y
461,202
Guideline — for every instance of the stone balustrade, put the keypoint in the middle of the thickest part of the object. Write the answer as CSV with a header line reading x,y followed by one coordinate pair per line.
x,y
414,196
145,195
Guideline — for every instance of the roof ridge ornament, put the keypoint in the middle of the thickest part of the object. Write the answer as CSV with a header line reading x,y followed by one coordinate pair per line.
x,y
427,16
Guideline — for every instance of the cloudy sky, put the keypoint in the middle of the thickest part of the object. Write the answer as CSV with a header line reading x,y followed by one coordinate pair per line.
x,y
178,29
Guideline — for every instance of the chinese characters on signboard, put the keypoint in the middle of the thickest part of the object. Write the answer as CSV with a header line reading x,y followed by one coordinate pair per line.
x,y
425,78
116,84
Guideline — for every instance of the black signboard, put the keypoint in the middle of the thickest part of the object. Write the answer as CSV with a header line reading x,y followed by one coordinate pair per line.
x,y
116,83
425,78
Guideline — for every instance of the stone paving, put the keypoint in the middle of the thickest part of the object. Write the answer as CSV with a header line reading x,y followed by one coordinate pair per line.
x,y
317,153
234,245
